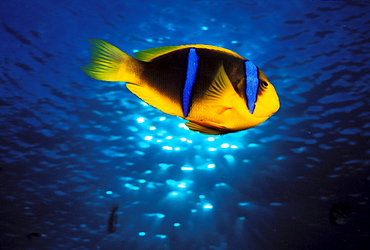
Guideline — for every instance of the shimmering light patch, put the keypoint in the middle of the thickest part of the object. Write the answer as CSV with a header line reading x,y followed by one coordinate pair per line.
x,y
211,165
141,233
132,187
167,148
174,193
162,118
234,146
171,182
148,172
187,168
222,184
158,215
164,166
177,148
182,125
148,137
176,224
310,141
229,158
280,158
333,176
152,128
275,204
161,236
141,181
212,149
241,218
169,137
207,206
253,145
183,139
61,193
143,145
139,152
140,119
210,139
189,141
182,185
151,185
193,210
350,131
298,150
225,145
109,192
244,204
202,196
179,184
204,28
135,50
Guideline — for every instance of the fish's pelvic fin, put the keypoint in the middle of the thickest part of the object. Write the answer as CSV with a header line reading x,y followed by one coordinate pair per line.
x,y
202,129
108,63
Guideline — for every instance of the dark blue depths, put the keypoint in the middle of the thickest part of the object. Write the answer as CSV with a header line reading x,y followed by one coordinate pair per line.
x,y
72,148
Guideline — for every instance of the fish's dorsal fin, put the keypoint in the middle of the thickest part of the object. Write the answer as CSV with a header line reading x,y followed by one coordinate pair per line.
x,y
221,92
202,129
150,54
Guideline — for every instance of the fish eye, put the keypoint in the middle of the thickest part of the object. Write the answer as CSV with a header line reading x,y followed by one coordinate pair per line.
x,y
264,84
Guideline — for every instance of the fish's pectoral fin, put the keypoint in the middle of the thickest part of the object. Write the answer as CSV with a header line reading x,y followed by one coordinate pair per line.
x,y
221,92
154,99
202,129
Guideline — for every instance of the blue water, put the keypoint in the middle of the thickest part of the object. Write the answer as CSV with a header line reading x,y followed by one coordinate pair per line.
x,y
72,147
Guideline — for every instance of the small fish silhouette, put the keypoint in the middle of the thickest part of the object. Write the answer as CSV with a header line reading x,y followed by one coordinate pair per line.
x,y
112,220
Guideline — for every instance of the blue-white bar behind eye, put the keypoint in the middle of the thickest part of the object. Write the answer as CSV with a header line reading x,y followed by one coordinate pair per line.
x,y
191,74
251,79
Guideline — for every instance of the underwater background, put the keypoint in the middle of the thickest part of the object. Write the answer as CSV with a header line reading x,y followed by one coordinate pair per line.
x,y
73,149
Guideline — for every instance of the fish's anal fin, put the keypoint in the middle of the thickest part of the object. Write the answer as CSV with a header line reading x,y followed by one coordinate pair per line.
x,y
221,92
154,99
202,129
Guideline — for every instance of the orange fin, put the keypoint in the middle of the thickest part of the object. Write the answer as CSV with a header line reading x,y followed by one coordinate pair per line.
x,y
155,99
108,63
202,129
221,92
150,54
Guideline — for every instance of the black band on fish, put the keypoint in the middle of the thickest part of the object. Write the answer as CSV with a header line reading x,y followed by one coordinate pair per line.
x,y
251,79
190,79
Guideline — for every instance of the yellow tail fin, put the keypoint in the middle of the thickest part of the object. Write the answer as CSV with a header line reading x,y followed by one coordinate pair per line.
x,y
108,63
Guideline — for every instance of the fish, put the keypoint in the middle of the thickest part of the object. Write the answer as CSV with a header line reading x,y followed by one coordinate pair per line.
x,y
31,235
216,90
112,220
339,213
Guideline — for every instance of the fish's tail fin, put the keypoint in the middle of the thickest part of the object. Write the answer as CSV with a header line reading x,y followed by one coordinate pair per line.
x,y
108,63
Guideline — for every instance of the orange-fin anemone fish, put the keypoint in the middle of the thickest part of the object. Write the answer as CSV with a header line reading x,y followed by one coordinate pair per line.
x,y
215,89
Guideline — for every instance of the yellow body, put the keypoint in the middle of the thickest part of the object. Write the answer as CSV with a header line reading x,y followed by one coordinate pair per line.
x,y
220,109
